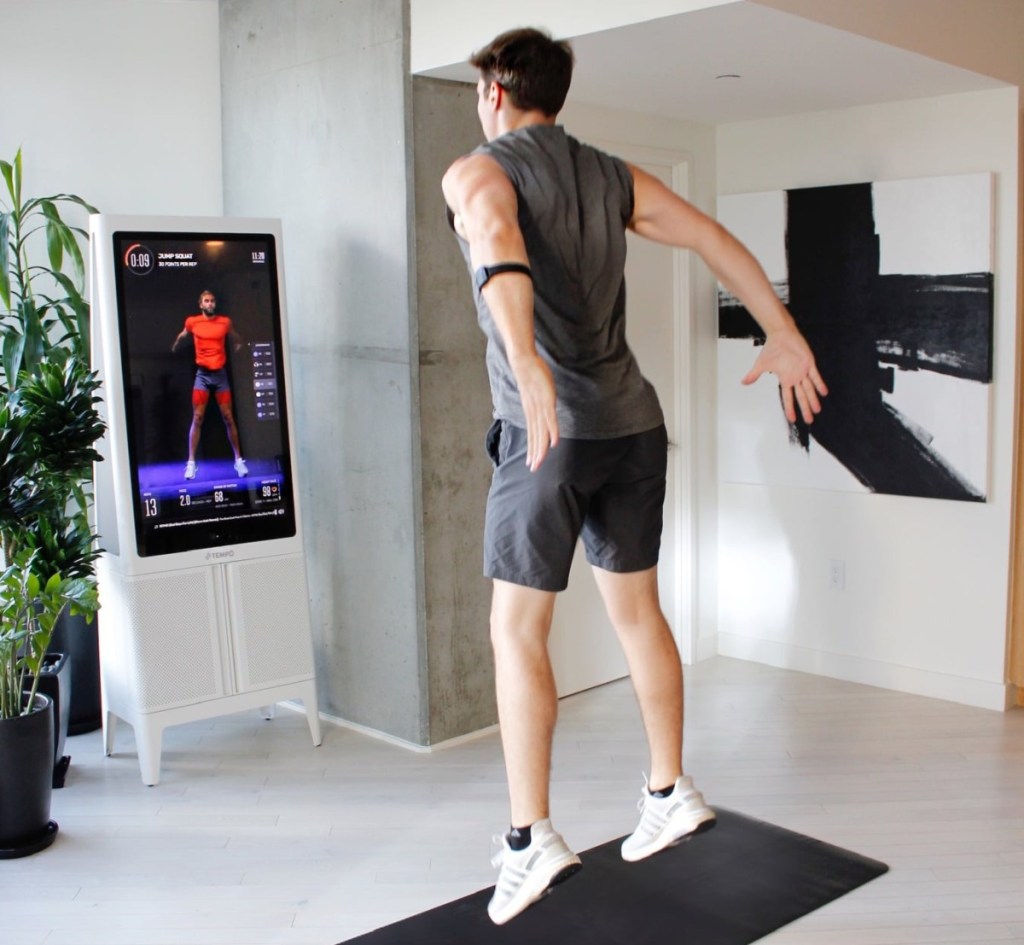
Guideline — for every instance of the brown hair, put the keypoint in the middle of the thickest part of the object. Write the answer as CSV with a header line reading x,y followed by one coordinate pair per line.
x,y
534,69
206,292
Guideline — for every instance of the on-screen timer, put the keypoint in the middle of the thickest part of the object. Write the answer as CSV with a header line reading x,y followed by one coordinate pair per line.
x,y
139,259
259,256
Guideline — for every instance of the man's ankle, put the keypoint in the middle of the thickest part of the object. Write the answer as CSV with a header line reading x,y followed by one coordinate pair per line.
x,y
519,838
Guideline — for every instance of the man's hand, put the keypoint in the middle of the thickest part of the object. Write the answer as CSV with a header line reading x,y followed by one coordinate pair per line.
x,y
787,355
537,393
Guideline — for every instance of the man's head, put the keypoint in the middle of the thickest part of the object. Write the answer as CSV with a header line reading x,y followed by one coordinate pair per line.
x,y
531,68
207,302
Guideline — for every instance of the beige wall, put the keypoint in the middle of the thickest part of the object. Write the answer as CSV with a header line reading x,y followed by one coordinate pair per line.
x,y
986,36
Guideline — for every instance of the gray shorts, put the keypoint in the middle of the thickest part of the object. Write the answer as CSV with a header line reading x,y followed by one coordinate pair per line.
x,y
609,492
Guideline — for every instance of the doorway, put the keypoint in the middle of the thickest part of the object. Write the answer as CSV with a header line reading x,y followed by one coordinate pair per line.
x,y
584,650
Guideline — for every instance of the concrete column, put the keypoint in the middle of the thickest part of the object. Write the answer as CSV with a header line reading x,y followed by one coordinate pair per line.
x,y
390,399
315,116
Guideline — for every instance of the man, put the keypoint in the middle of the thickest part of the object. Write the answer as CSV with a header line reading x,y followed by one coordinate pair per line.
x,y
209,333
541,220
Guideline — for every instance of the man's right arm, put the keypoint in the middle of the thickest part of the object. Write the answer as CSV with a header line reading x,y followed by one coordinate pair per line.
x,y
179,339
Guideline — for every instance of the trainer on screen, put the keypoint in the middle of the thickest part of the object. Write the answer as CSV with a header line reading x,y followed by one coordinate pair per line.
x,y
209,333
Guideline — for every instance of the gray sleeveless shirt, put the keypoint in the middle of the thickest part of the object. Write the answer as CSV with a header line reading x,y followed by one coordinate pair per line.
x,y
574,205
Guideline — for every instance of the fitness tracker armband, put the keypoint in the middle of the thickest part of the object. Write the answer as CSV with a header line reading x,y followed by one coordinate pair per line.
x,y
483,275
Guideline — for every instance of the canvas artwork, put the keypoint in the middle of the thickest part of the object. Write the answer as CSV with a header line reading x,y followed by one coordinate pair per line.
x,y
891,283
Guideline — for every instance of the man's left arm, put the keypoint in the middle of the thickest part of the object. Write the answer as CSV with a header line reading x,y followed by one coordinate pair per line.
x,y
485,206
663,216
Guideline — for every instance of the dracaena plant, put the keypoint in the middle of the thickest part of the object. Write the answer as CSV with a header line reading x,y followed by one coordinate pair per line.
x,y
42,273
49,424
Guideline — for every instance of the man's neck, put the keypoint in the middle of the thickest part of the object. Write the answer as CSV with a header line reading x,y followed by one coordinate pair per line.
x,y
514,120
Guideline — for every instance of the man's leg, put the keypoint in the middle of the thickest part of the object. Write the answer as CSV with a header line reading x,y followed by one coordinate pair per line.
x,y
527,699
535,859
672,808
228,414
199,401
196,429
635,611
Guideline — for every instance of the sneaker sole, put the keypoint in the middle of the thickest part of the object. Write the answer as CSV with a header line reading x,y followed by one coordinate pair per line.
x,y
671,838
530,894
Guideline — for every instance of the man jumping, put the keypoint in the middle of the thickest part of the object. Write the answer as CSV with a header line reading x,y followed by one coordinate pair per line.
x,y
579,443
209,332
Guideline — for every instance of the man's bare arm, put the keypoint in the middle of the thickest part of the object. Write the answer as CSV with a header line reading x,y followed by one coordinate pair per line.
x,y
663,216
486,214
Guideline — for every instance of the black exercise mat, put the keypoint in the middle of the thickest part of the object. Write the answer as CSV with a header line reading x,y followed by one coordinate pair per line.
x,y
729,886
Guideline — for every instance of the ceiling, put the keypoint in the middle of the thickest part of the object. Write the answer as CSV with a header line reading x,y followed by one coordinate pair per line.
x,y
785,65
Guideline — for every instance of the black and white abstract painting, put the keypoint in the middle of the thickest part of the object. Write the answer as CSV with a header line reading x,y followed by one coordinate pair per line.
x,y
891,283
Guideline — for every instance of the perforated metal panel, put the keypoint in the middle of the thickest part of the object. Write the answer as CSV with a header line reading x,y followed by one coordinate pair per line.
x,y
172,624
270,610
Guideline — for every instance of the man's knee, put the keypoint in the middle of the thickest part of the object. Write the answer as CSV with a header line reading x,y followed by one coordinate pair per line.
x,y
520,615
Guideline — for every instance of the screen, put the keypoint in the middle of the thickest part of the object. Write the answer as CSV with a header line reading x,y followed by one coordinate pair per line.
x,y
200,326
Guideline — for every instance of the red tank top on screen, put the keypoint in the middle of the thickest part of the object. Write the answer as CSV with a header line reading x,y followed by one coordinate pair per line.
x,y
209,335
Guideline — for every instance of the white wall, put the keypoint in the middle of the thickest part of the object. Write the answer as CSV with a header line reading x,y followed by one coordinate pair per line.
x,y
115,100
924,608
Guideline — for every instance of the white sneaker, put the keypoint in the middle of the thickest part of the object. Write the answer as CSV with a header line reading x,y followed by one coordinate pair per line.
x,y
190,470
526,875
665,821
240,467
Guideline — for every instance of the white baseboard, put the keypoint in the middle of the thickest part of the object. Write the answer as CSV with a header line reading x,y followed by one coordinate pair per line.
x,y
393,739
707,647
920,682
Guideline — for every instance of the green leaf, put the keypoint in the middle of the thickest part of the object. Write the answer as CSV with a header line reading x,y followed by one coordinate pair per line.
x,y
74,198
14,351
54,238
5,259
17,178
35,341
8,172
73,250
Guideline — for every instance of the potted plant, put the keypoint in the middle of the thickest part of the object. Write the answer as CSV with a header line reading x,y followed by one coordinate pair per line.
x,y
48,427
45,316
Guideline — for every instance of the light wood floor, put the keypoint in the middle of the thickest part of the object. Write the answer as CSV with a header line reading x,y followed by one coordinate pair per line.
x,y
253,836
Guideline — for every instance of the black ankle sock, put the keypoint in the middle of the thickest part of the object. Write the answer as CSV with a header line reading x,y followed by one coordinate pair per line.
x,y
664,792
519,838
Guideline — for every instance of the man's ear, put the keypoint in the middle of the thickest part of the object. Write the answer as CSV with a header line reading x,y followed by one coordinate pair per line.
x,y
495,94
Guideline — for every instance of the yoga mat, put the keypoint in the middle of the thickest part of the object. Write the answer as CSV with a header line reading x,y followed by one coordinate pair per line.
x,y
729,886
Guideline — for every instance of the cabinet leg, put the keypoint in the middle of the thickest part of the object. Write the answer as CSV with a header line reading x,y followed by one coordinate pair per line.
x,y
109,727
312,712
148,738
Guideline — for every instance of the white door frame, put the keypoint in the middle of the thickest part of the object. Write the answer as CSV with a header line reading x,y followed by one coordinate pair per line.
x,y
681,607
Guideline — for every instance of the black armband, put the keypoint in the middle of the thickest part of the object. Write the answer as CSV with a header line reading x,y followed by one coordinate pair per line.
x,y
483,275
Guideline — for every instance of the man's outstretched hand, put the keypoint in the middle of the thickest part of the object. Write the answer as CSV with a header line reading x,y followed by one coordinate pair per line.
x,y
788,356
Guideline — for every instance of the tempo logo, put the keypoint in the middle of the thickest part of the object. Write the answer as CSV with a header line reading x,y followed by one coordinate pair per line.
x,y
219,554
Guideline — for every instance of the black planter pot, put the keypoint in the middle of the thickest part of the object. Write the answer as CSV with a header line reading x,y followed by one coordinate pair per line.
x,y
79,638
55,682
26,772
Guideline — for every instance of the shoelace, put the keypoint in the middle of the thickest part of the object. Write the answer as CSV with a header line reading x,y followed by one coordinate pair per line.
x,y
497,859
644,792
